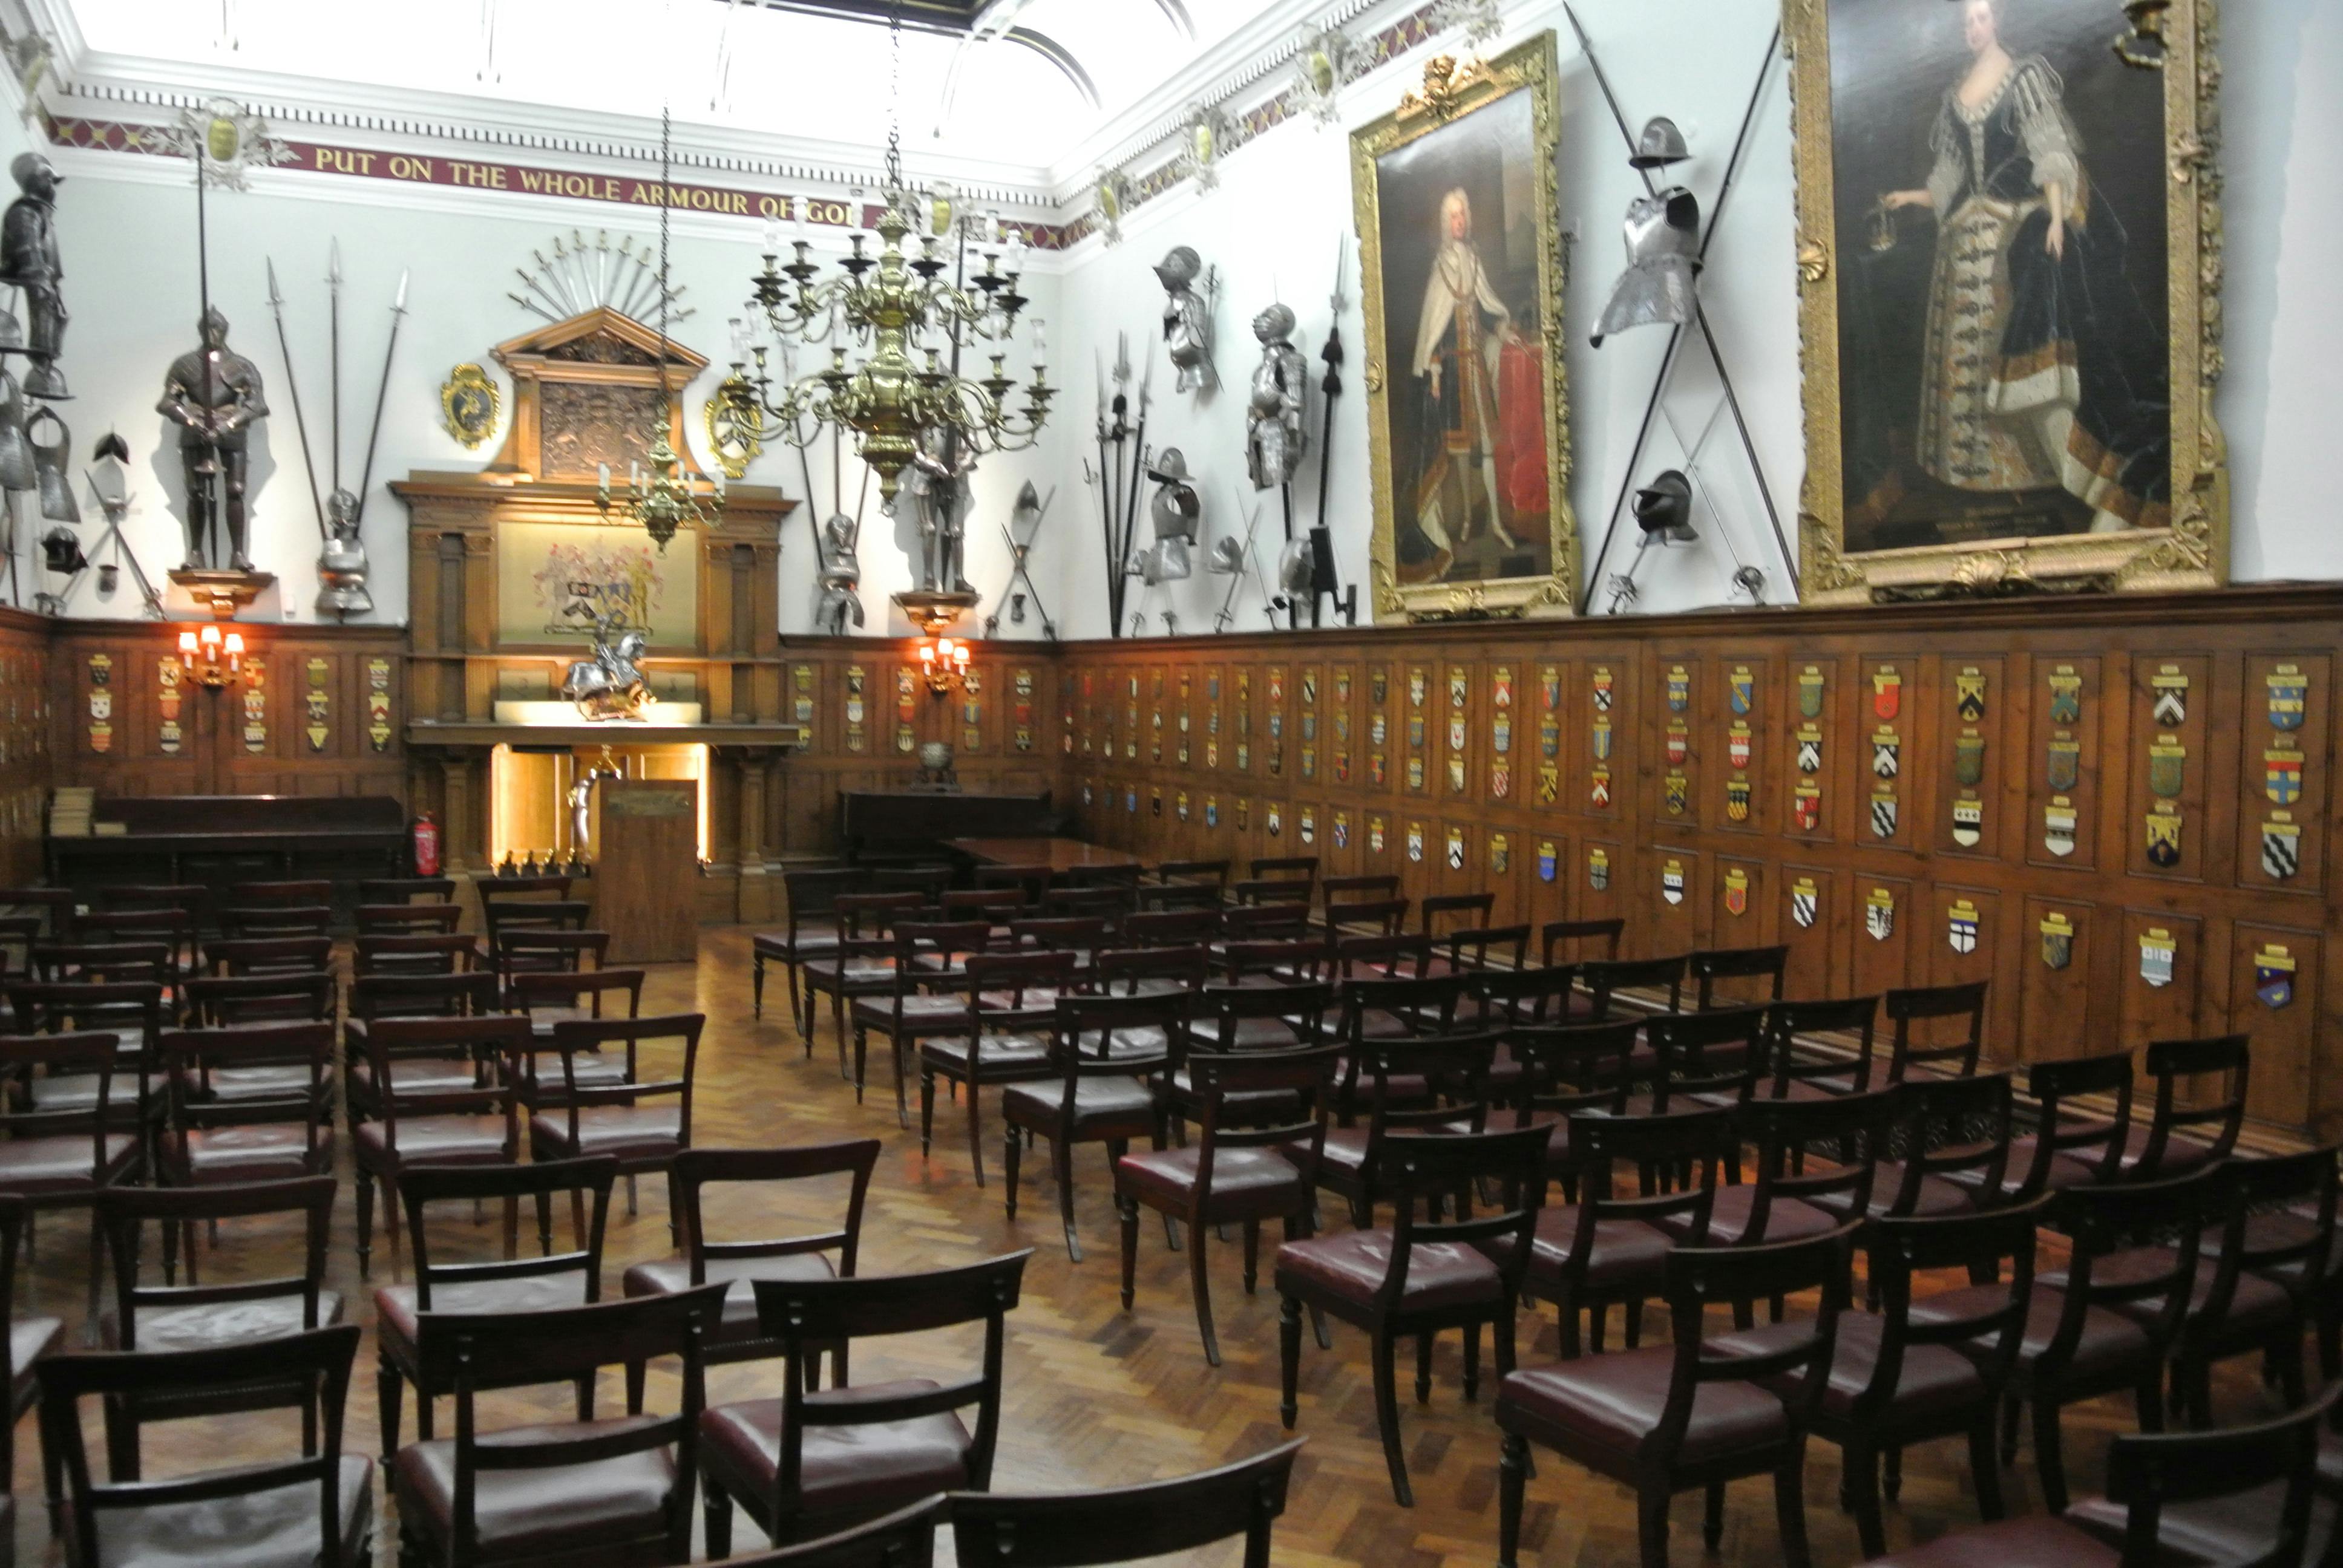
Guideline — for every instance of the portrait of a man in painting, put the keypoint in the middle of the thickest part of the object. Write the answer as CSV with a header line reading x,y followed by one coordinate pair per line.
x,y
2003,340
1457,229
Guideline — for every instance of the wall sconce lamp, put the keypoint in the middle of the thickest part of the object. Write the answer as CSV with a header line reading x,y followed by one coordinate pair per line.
x,y
945,661
213,660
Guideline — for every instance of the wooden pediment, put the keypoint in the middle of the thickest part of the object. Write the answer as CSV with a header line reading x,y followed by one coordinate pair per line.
x,y
584,393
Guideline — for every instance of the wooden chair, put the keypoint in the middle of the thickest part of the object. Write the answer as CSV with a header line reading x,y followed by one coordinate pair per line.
x,y
129,1013
802,1464
260,921
174,928
1128,1523
1402,955
923,995
1291,894
1525,996
1809,1076
1290,868
105,961
1563,1069
2263,1276
1010,1000
1084,936
547,999
812,932
1293,961
642,1122
1915,1010
414,952
406,890
1608,1248
1478,949
1170,928
1783,1200
317,1508
1228,1018
1420,1277
1103,1096
416,1063
2242,1496
2067,1150
1899,1376
225,1001
194,1316
433,1124
407,919
1337,891
1123,876
297,953
1031,881
2175,1065
1164,898
1559,940
52,906
863,962
1710,1058
1605,979
561,1495
27,1341
924,877
1467,909
1263,1116
1263,924
513,1287
1712,968
63,1158
1694,1413
1110,902
903,1539
516,950
1213,874
739,1335
1432,1083
254,1135
1148,972
1366,917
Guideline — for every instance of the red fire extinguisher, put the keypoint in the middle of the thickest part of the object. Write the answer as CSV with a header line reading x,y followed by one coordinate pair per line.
x,y
425,835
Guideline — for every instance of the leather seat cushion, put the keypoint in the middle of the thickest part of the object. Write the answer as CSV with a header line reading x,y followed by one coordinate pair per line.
x,y
879,1012
2112,1344
204,1325
1627,1253
1251,1174
625,1131
419,1075
254,1152
1613,1400
394,1307
2034,1542
30,1338
811,937
826,973
670,1276
1788,1220
2181,1155
2233,1529
1352,1266
285,1080
1934,1381
594,1069
1936,1196
272,1529
1246,1034
869,1467
437,1140
540,1511
2258,1303
61,1164
1098,1102
1000,1056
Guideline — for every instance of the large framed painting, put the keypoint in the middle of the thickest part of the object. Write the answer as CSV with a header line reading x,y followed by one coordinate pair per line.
x,y
1461,263
2008,248
556,581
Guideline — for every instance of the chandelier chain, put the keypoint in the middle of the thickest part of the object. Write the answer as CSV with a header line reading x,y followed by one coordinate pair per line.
x,y
895,98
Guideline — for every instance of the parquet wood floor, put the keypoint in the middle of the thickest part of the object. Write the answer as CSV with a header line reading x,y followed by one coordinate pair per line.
x,y
1096,1396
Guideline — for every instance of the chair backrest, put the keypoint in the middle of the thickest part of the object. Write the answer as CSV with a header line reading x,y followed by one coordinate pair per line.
x,y
381,996
1132,970
1127,1523
1272,892
413,952
1220,1009
1920,1013
1210,873
1169,896
1526,995
930,949
386,919
122,1212
254,895
1455,1066
248,955
1081,934
1677,1157
1573,1066
1605,979
421,1186
190,1056
1111,901
1949,1127
573,1035
1287,959
1171,928
2243,1189
465,1351
696,1169
304,1372
991,904
104,961
1787,1021
1034,880
546,948
594,990
174,927
1422,1004
54,906
2103,1220
1261,922
2216,1120
808,1316
1710,967
1792,1366
903,1539
211,1001
504,1036
1466,908
1557,935
1118,1033
866,921
252,921
1357,890
1854,1127
58,1007
1359,916
1992,1331
1481,947
20,935
1406,955
1122,876
1013,991
1511,1163
405,889
190,897
812,893
2096,1143
1718,1052
2148,1472
1301,868
519,889
927,882
1304,1078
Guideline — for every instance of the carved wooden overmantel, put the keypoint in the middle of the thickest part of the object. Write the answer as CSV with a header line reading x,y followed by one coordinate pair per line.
x,y
585,393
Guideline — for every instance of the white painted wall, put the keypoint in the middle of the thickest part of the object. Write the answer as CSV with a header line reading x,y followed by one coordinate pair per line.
x,y
1282,199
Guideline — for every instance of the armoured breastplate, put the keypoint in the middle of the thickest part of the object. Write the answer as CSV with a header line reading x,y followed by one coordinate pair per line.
x,y
1663,236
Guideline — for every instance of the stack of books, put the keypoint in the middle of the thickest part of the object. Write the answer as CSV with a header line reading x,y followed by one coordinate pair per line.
x,y
69,813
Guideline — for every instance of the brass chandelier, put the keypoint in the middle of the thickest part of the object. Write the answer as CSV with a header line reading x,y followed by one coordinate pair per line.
x,y
908,394
661,493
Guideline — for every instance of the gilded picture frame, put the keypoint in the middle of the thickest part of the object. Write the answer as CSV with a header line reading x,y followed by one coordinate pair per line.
x,y
1918,496
1475,145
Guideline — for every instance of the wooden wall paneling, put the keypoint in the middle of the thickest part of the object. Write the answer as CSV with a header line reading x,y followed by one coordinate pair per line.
x,y
2285,771
2161,751
1415,679
1748,796
1815,968
2056,966
27,768
1740,904
1951,906
1676,879
2068,699
1600,881
1460,745
2273,995
1600,772
2169,1010
1883,960
1969,765
1672,797
1817,728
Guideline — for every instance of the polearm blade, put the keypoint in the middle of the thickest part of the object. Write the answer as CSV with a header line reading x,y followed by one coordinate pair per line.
x,y
293,390
382,392
334,297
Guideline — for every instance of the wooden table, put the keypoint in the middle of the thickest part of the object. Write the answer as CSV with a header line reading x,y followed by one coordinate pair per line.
x,y
1058,854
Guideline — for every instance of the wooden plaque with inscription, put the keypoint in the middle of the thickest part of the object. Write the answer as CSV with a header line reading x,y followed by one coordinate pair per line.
x,y
645,879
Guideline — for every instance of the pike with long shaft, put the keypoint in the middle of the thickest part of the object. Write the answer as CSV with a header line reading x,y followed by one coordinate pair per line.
x,y
300,425
382,392
333,308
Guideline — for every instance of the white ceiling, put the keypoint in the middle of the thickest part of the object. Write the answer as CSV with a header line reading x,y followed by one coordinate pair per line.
x,y
741,78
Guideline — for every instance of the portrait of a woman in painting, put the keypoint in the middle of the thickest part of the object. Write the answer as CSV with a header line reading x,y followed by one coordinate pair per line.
x,y
2003,358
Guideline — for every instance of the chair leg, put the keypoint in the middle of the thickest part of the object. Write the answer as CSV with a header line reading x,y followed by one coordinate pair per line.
x,y
386,1386
1200,1283
1635,1310
1386,1354
2049,1458
366,1223
1062,1157
1652,1529
1289,1357
2010,1411
902,1080
862,1061
1127,1212
1891,1472
838,1027
2287,1352
1512,1481
97,1265
1011,1147
718,1513
635,1381
1862,1471
756,986
1985,1471
976,1129
1790,1508
121,1442
1424,1369
1472,1363
1712,1515
1252,1254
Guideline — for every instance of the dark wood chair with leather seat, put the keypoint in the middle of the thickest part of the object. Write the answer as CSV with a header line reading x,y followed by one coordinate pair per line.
x,y
1234,1019
739,1335
1672,1418
416,1063
1472,951
1811,1075
2241,1497
413,953
78,961
1263,924
1561,1068
1941,1128
584,1494
1290,894
1900,1376
27,1340
517,951
1011,1000
1148,971
2260,1276
1712,1058
1522,997
1097,1093
1213,874
1436,1084
1168,898
1281,961
1246,1166
1606,1248
810,1463
2066,1150
1440,913
63,1158
225,1001
643,1123
279,895
1366,918
924,994
903,1539
298,953
210,1139
178,928
1935,1028
1084,936
1558,940
510,1287
1128,1523
475,1123
247,923
546,999
1111,902
133,1014
317,1508
1605,979
1337,891
171,1316
1171,928
1303,868
1744,969
811,932
1422,1276
2182,1108
406,890
1378,1005
861,964
409,920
